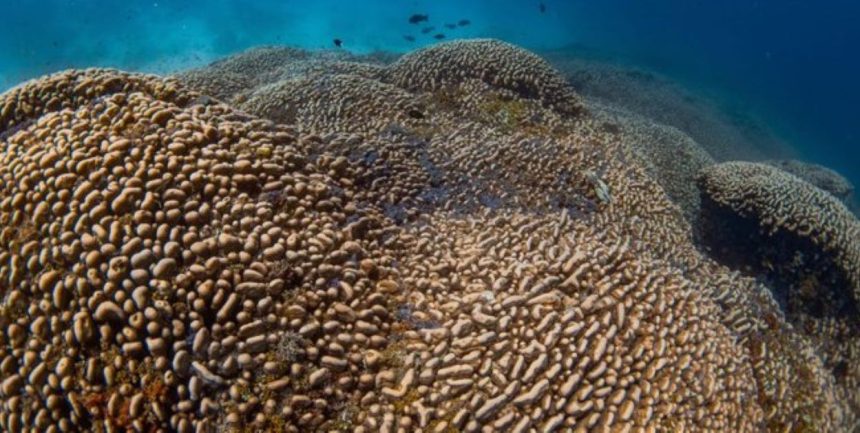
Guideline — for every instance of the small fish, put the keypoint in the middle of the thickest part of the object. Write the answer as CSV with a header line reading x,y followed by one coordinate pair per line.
x,y
542,7
426,30
338,43
417,18
409,38
439,36
601,190
463,23
450,26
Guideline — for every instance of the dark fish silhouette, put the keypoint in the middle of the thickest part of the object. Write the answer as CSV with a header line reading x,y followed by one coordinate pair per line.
x,y
338,43
426,30
439,36
417,18
463,23
409,38
542,7
450,26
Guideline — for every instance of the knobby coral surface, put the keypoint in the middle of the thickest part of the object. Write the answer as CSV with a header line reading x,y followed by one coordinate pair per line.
x,y
502,262
804,241
820,176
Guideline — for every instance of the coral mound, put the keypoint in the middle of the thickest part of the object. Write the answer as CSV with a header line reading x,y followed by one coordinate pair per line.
x,y
818,175
802,241
25,103
497,63
498,263
254,66
233,78
783,204
150,261
346,103
671,157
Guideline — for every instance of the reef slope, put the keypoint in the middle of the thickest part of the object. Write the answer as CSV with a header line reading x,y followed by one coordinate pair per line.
x,y
407,249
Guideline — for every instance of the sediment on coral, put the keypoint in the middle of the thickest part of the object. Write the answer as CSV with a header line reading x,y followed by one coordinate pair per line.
x,y
506,261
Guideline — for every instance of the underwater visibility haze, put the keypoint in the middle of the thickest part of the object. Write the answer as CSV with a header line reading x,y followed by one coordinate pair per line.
x,y
429,216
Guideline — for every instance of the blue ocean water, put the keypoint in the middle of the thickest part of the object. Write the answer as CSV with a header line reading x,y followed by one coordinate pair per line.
x,y
791,62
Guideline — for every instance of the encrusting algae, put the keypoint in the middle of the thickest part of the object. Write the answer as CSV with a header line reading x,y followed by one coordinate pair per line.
x,y
288,241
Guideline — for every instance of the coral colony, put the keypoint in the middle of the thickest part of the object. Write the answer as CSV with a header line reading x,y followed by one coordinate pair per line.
x,y
451,241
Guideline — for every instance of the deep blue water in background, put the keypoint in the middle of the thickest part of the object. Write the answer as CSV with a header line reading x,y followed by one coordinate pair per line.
x,y
794,63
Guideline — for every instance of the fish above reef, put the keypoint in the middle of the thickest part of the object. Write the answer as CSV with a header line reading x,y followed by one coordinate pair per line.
x,y
450,26
439,36
338,43
409,38
426,30
463,23
417,18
